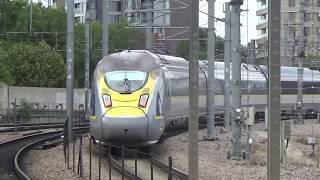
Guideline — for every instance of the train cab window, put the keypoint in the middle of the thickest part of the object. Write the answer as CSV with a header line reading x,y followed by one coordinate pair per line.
x,y
162,60
125,81
245,66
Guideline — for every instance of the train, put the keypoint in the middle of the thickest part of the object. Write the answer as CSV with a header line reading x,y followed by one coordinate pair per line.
x,y
137,95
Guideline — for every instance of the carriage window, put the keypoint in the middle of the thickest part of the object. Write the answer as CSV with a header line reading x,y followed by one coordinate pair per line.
x,y
125,81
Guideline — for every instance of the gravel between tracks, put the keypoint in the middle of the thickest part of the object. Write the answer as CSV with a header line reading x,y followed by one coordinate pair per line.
x,y
213,163
49,164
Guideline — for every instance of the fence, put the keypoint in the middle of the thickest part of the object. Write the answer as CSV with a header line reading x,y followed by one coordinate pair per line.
x,y
23,112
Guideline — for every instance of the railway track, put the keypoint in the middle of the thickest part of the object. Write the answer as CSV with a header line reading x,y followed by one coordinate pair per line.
x,y
150,166
167,170
9,149
12,151
28,127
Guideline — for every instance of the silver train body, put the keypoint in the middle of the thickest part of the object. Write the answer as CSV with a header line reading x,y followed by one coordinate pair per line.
x,y
137,95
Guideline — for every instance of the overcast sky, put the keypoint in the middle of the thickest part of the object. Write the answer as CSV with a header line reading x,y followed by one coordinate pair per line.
x,y
219,6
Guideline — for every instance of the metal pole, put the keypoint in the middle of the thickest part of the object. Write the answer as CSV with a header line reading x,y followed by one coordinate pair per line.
x,y
211,133
170,168
99,149
87,58
148,4
227,59
273,172
15,114
105,26
301,55
151,169
251,52
193,89
109,161
81,156
73,154
285,45
236,75
135,164
122,162
90,160
70,66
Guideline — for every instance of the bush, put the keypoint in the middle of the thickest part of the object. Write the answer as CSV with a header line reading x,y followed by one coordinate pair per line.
x,y
24,112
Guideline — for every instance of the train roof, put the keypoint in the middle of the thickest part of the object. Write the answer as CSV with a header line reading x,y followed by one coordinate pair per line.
x,y
140,60
129,60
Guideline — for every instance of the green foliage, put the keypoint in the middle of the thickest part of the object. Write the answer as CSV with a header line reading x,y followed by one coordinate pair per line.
x,y
5,75
312,62
13,15
182,49
121,36
51,22
24,112
36,65
34,60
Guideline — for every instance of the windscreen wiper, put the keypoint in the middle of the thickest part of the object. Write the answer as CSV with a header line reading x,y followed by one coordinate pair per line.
x,y
127,85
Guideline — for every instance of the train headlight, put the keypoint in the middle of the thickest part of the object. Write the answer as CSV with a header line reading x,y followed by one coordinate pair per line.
x,y
106,100
143,100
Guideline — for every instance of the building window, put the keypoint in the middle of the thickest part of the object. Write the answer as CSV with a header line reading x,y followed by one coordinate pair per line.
x,y
292,32
77,5
292,3
143,18
318,3
292,16
167,4
119,6
263,2
306,32
167,19
264,17
307,17
263,31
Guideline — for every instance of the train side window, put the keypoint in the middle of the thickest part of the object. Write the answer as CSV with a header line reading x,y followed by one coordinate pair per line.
x,y
163,60
243,65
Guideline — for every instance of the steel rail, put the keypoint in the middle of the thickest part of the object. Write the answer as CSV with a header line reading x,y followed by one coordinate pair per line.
x,y
127,173
36,127
19,155
175,172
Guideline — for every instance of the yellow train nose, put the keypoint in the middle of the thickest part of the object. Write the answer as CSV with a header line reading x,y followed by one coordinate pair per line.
x,y
117,112
122,128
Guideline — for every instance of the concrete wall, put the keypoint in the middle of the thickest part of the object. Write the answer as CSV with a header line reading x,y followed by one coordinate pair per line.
x,y
45,97
3,95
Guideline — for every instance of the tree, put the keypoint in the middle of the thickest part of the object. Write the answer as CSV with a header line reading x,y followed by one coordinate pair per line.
x,y
5,75
39,66
48,24
121,36
312,62
182,49
13,15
